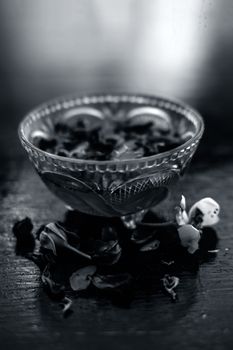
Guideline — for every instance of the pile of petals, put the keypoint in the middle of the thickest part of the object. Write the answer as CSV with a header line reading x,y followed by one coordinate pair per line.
x,y
87,255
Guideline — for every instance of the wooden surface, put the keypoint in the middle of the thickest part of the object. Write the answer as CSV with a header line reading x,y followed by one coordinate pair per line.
x,y
202,318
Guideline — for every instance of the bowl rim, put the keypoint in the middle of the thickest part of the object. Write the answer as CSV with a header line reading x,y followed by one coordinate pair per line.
x,y
62,100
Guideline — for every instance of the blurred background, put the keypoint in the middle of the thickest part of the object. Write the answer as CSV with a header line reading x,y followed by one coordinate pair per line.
x,y
178,48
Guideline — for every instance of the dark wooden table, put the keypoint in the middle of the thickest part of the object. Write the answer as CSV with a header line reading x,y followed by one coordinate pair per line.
x,y
203,316
31,73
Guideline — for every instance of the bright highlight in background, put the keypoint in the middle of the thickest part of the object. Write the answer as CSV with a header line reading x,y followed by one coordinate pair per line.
x,y
130,45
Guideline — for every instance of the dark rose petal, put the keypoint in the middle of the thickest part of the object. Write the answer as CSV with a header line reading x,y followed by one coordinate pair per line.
x,y
108,234
38,258
47,242
169,284
25,240
54,289
66,304
106,252
197,218
140,236
146,131
150,246
72,237
54,238
111,281
22,227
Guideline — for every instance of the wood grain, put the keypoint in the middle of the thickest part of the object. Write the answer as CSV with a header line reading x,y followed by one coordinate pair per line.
x,y
201,318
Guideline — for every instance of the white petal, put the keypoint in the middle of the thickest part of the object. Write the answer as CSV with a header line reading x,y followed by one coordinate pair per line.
x,y
209,210
189,237
183,203
181,216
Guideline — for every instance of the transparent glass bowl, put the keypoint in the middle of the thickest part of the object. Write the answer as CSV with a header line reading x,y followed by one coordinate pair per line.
x,y
110,188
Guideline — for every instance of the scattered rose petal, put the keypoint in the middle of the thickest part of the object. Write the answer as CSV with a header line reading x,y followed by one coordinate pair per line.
x,y
53,228
183,202
51,238
54,288
204,213
24,226
106,252
150,246
38,258
25,240
169,284
104,249
180,212
189,237
181,216
81,279
66,304
130,221
167,262
71,237
108,234
111,281
140,236
197,219
54,237
47,242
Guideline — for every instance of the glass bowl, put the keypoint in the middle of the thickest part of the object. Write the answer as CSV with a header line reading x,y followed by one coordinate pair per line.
x,y
111,188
